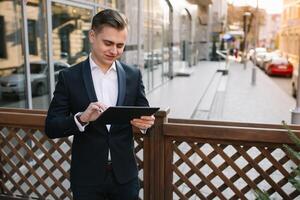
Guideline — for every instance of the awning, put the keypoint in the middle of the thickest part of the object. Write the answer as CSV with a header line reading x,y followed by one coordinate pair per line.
x,y
228,37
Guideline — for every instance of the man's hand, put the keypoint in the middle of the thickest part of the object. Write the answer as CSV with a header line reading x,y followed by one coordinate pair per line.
x,y
144,122
93,111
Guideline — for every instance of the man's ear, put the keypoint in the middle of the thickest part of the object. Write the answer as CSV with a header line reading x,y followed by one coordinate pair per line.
x,y
92,36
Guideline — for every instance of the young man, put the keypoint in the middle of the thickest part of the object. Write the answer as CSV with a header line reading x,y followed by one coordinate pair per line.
x,y
103,162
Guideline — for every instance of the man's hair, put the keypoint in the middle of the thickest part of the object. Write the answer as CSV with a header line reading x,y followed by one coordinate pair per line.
x,y
109,17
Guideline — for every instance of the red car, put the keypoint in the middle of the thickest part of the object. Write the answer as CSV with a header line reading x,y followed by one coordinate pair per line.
x,y
279,66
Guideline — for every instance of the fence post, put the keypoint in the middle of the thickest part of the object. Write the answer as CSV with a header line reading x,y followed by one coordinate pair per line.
x,y
168,176
1,172
156,157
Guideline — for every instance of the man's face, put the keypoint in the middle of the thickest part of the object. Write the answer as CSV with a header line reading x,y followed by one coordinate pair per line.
x,y
107,45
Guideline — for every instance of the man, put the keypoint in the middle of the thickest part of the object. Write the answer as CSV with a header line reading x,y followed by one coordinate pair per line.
x,y
103,163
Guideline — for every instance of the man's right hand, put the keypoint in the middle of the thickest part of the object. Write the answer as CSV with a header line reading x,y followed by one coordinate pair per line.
x,y
93,111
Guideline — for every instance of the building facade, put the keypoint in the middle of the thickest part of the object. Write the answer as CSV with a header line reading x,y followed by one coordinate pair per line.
x,y
217,24
39,38
269,32
289,39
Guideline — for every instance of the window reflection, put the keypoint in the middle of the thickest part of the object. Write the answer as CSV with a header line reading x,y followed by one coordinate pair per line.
x,y
11,84
70,26
37,42
155,43
32,37
2,38
111,3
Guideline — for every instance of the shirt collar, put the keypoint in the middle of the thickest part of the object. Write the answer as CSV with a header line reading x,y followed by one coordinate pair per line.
x,y
95,66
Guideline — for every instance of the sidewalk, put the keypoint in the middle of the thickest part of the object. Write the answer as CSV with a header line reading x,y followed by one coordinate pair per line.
x,y
182,93
207,94
264,102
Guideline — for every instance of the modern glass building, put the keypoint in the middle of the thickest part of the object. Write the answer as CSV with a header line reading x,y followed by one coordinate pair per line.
x,y
41,37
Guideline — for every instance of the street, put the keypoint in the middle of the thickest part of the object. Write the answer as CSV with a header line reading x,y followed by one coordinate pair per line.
x,y
284,83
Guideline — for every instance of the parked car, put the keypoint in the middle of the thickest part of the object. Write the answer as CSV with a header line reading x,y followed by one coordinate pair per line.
x,y
279,66
260,59
251,53
14,84
152,59
265,58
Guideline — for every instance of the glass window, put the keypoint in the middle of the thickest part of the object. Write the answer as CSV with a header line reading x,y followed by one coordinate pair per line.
x,y
2,38
32,39
70,32
37,38
157,41
146,36
12,90
154,35
85,41
111,3
98,1
166,36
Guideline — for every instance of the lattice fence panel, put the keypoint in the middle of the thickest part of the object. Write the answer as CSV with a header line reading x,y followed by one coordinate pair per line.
x,y
139,152
34,166
219,171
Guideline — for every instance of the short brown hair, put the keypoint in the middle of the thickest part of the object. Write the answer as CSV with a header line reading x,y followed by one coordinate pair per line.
x,y
109,17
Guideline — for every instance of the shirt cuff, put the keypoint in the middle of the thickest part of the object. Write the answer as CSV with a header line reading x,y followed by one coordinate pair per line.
x,y
144,131
80,127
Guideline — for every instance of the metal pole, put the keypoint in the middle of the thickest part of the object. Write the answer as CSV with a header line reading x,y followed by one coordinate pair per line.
x,y
246,14
25,46
140,25
50,48
245,41
253,77
170,40
296,111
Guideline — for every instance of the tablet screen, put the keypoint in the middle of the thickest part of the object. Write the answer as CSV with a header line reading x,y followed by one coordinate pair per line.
x,y
123,114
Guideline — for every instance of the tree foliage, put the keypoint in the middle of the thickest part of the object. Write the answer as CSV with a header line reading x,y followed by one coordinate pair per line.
x,y
235,18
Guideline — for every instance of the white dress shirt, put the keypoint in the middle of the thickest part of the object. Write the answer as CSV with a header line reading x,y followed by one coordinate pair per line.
x,y
106,88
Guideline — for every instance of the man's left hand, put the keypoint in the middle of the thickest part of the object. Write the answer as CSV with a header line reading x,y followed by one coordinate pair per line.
x,y
144,122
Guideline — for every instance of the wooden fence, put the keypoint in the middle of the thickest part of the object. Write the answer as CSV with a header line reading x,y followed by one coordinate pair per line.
x,y
178,159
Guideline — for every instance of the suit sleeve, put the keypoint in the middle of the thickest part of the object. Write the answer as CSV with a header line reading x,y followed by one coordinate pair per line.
x,y
141,99
59,121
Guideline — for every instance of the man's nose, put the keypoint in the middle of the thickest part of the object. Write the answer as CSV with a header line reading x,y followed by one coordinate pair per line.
x,y
114,50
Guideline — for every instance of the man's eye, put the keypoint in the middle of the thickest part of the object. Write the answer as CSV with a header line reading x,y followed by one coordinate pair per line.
x,y
107,43
120,46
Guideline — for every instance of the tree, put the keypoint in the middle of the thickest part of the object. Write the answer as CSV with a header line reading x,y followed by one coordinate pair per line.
x,y
235,19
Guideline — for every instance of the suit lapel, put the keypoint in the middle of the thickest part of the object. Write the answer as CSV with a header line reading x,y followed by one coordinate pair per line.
x,y
88,80
121,83
121,90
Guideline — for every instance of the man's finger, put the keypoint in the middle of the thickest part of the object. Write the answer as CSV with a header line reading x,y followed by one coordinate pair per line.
x,y
95,107
142,124
148,117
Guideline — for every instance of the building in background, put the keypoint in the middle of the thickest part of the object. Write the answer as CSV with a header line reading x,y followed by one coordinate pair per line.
x,y
268,34
217,25
289,41
39,38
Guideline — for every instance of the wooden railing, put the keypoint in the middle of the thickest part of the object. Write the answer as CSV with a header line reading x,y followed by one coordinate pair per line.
x,y
178,159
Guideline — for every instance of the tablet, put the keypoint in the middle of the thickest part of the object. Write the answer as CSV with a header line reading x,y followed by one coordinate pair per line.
x,y
123,114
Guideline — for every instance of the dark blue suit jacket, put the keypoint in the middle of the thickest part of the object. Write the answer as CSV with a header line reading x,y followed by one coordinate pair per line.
x,y
73,93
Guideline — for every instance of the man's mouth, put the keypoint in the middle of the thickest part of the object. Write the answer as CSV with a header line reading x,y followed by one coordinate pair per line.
x,y
110,57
